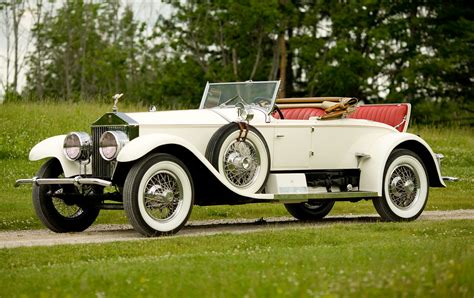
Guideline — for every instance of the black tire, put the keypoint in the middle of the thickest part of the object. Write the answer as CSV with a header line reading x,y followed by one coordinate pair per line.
x,y
405,187
55,213
222,142
169,186
310,210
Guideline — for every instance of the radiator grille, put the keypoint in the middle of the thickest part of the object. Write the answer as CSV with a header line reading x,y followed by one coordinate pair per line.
x,y
100,167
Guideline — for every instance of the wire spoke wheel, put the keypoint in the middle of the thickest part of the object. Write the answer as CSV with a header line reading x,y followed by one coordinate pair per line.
x,y
163,196
405,187
158,195
241,163
55,207
69,211
245,164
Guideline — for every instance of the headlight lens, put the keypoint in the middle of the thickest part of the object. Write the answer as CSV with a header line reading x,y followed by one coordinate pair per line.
x,y
77,146
110,144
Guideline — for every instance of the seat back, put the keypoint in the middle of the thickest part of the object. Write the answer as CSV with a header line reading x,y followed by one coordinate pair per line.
x,y
395,115
299,113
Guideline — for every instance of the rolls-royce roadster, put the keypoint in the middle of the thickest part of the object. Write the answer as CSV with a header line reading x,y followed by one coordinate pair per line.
x,y
242,145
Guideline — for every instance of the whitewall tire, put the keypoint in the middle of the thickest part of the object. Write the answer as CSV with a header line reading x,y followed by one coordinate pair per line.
x,y
158,195
405,187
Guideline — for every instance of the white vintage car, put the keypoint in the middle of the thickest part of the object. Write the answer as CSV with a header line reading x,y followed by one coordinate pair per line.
x,y
241,146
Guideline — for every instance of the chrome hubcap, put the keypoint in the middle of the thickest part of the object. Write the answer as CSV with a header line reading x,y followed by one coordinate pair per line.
x,y
404,186
163,196
241,163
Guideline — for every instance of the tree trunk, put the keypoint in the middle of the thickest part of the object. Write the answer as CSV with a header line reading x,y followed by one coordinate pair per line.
x,y
234,64
17,14
259,54
39,81
282,50
6,28
283,62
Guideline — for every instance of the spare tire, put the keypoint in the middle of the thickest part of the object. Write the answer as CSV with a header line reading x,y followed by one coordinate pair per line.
x,y
244,164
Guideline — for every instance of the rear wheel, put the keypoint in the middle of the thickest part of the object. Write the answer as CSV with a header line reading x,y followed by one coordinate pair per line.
x,y
54,209
313,210
405,187
158,195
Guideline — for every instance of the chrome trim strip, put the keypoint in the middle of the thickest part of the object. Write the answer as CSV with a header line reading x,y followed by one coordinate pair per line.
x,y
304,197
76,181
203,98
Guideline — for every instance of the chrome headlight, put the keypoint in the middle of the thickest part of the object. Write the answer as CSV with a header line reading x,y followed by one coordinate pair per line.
x,y
110,144
77,146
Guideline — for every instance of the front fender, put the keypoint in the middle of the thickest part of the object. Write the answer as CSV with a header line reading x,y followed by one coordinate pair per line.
x,y
143,145
53,148
372,169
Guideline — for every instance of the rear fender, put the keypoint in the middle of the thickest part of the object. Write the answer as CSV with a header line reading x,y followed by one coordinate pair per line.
x,y
372,169
53,148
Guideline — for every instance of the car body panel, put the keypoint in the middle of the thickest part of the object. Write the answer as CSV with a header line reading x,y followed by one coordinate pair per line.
x,y
295,145
53,148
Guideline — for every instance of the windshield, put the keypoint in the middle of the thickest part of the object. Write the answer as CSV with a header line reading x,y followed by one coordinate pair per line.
x,y
256,94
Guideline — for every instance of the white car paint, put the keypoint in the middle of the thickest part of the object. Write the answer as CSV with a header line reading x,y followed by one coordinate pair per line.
x,y
53,147
293,144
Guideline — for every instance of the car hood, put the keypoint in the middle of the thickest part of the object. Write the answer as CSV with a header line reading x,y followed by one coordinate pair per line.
x,y
180,117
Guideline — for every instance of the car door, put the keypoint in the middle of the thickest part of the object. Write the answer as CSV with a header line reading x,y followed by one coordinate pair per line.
x,y
292,145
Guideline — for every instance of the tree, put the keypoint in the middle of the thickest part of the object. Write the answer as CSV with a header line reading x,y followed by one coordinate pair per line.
x,y
417,52
12,15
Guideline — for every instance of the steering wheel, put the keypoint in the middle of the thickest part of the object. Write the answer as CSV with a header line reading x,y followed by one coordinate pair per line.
x,y
262,101
277,109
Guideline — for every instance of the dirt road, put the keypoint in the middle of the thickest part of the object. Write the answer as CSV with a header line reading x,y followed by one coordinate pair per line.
x,y
111,233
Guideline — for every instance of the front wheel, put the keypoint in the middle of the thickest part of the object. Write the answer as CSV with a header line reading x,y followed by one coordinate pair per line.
x,y
311,210
55,209
405,187
158,195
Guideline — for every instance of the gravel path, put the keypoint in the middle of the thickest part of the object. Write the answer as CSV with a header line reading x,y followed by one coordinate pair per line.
x,y
111,233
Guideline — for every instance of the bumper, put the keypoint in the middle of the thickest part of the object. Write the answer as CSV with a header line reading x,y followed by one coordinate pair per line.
x,y
77,181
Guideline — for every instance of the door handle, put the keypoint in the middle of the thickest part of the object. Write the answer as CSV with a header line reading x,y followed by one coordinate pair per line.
x,y
280,136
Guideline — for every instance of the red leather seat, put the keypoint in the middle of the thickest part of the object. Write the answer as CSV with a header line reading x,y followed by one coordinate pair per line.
x,y
395,115
300,113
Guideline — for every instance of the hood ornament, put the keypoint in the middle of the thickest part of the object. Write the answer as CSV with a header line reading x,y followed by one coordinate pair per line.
x,y
116,98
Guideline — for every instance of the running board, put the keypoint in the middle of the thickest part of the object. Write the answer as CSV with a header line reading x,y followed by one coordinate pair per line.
x,y
341,196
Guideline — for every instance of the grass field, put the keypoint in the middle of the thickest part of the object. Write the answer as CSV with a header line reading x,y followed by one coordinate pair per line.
x,y
421,258
417,259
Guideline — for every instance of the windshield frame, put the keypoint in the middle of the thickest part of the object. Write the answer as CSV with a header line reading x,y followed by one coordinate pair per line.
x,y
273,98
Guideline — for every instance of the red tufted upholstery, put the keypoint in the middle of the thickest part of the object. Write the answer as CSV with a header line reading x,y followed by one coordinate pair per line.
x,y
391,114
300,113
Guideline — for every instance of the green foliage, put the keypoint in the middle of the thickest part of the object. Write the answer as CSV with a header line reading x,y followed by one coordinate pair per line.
x,y
402,51
371,260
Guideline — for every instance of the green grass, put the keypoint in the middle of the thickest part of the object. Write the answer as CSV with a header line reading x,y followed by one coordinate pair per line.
x,y
24,125
427,259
